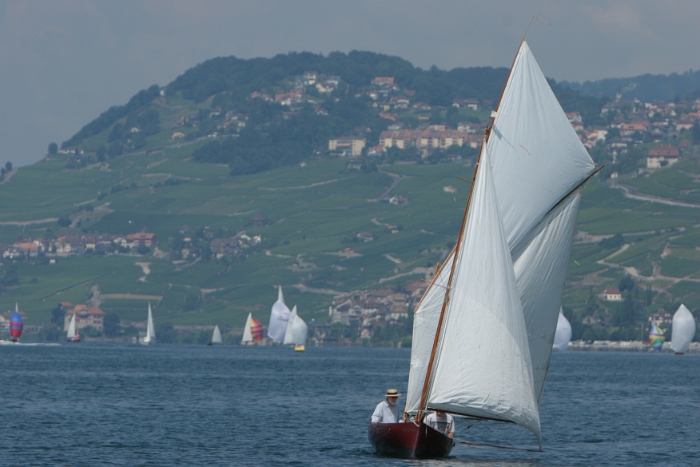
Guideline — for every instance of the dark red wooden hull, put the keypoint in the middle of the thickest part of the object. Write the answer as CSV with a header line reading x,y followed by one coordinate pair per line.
x,y
409,440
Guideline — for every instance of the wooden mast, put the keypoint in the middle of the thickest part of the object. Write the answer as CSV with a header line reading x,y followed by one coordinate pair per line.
x,y
438,331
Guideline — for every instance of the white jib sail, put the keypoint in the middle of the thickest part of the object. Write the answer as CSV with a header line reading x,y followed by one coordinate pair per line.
x,y
216,335
563,335
71,328
247,335
540,270
297,330
279,317
682,329
537,158
150,329
482,364
425,321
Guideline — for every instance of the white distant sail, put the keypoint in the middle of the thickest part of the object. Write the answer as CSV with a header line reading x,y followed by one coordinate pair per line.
x,y
247,335
682,329
71,328
296,329
150,330
563,334
279,317
216,335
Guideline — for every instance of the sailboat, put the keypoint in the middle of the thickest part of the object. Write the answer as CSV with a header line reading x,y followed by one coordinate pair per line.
x,y
296,332
252,332
16,324
505,276
215,336
682,330
279,317
150,330
656,338
73,334
562,336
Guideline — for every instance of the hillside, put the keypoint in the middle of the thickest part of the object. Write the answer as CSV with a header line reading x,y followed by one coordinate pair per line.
x,y
214,156
647,88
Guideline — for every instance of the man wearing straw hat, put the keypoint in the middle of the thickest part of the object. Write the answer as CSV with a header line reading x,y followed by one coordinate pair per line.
x,y
387,411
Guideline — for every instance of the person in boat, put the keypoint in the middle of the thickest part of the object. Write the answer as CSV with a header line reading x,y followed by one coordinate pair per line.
x,y
387,411
442,422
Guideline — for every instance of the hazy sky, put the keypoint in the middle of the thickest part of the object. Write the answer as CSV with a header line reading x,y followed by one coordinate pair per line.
x,y
63,62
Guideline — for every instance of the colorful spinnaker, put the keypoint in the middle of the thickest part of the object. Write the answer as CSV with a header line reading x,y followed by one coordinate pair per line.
x,y
16,324
656,337
256,329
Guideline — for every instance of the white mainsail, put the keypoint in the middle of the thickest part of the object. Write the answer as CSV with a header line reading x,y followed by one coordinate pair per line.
x,y
484,297
150,329
537,167
216,335
297,330
563,334
71,328
247,335
682,329
279,317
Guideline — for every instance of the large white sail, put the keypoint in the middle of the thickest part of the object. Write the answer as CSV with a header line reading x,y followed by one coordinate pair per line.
x,y
247,335
482,364
562,337
682,329
297,330
537,156
279,317
216,335
150,329
425,321
71,328
540,269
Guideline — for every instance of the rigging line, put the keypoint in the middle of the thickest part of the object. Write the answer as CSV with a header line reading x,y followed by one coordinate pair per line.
x,y
532,20
573,190
473,443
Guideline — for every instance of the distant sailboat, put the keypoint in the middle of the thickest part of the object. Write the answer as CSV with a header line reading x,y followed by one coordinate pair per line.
x,y
279,317
252,332
297,331
16,324
73,334
150,330
215,336
656,337
682,330
563,334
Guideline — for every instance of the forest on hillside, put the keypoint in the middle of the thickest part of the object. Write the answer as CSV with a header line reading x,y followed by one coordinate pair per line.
x,y
268,133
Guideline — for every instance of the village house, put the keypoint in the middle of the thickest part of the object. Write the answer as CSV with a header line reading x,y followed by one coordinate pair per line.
x,y
662,155
347,145
139,239
611,295
85,316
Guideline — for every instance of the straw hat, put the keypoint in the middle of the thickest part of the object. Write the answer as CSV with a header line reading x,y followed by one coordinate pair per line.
x,y
392,393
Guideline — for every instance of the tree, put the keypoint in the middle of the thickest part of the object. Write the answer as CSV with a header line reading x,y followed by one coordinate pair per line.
x,y
111,325
58,315
627,283
8,166
696,132
64,221
53,148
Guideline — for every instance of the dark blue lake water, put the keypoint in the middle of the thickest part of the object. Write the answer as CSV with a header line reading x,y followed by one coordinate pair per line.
x,y
91,405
